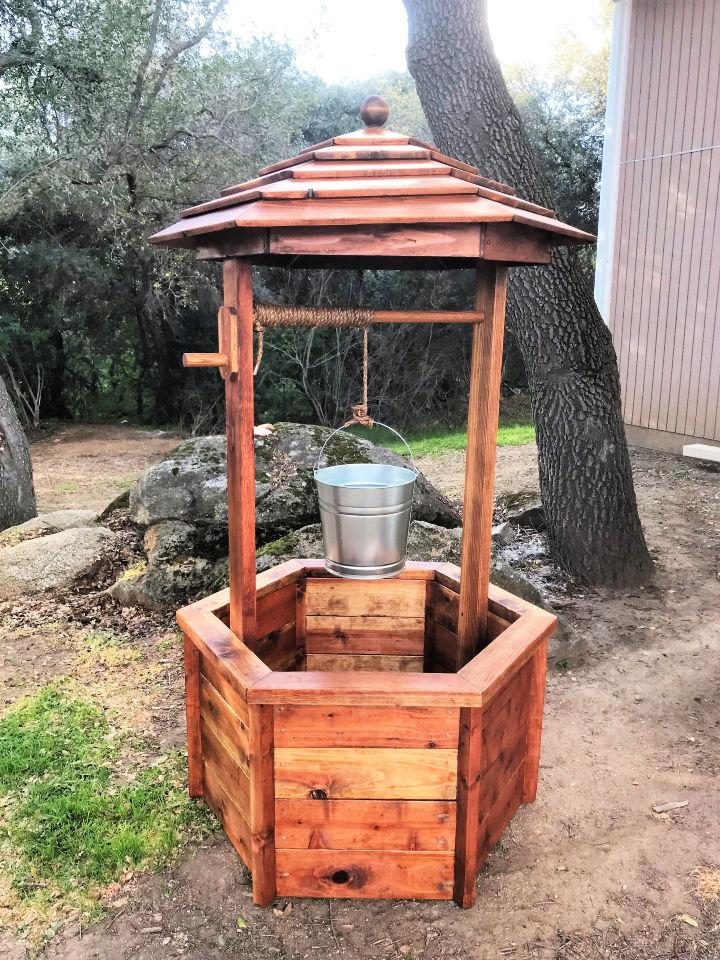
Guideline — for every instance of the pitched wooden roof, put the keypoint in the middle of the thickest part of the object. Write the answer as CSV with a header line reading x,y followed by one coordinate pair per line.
x,y
368,176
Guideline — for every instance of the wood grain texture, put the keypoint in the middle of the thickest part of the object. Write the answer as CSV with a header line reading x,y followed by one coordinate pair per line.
x,y
365,774
219,645
365,824
300,626
379,240
226,810
365,634
278,650
227,690
496,819
365,598
337,726
483,411
370,874
537,668
262,804
240,421
227,726
276,608
364,662
291,571
226,770
192,717
468,806
314,688
443,647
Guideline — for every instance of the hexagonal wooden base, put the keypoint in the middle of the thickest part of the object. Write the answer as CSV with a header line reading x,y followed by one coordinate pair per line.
x,y
345,754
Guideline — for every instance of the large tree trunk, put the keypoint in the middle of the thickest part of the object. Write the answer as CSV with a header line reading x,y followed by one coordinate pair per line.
x,y
17,495
585,477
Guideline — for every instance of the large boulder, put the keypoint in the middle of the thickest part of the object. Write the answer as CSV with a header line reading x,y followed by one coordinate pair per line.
x,y
182,505
52,562
45,523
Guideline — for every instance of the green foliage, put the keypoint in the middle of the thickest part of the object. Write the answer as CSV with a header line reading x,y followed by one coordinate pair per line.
x,y
433,442
69,822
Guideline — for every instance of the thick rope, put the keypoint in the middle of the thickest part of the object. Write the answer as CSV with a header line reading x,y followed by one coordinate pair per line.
x,y
360,410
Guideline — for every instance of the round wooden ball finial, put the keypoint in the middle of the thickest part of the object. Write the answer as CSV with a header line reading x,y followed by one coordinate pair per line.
x,y
374,111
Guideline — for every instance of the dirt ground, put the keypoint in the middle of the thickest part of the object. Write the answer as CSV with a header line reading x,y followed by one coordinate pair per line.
x,y
589,871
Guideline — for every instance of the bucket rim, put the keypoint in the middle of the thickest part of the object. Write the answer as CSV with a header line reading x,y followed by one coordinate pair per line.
x,y
411,475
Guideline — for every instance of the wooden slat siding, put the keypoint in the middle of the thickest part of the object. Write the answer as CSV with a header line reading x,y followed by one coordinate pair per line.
x,y
357,874
503,746
314,688
262,804
365,824
239,407
192,717
358,598
300,626
665,306
217,643
427,625
402,727
446,613
276,609
226,689
225,724
537,669
364,663
469,798
483,412
444,646
226,770
365,774
494,822
365,634
226,810
278,650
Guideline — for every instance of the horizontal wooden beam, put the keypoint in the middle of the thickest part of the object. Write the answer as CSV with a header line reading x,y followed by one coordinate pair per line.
x,y
205,359
427,316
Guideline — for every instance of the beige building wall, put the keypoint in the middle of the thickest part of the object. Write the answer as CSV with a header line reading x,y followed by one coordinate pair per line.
x,y
663,252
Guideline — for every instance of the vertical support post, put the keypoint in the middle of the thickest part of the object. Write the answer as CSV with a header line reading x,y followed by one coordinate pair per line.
x,y
262,803
483,411
537,668
236,340
468,806
192,718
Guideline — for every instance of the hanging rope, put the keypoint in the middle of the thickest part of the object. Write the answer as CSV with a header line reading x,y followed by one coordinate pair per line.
x,y
360,410
274,315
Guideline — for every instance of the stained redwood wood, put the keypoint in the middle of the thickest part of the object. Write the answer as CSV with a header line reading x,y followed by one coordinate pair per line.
x,y
364,662
192,717
364,689
227,690
502,659
239,413
387,635
336,188
514,692
443,644
429,619
330,170
512,243
483,410
495,625
300,626
398,152
356,598
499,816
356,726
225,769
365,824
379,240
204,359
262,804
365,774
468,806
447,604
216,642
498,775
277,577
230,816
278,649
537,668
225,724
370,874
276,608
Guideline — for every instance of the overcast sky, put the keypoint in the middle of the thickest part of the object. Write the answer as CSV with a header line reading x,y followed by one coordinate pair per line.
x,y
354,39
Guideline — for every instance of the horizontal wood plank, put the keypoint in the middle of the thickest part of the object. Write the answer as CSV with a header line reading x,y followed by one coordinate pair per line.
x,y
494,666
227,726
227,690
365,774
496,819
275,609
364,662
227,772
372,598
278,649
339,726
365,634
228,813
447,603
365,824
442,646
364,874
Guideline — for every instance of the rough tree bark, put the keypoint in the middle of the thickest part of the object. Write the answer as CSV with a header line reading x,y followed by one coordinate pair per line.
x,y
585,477
17,494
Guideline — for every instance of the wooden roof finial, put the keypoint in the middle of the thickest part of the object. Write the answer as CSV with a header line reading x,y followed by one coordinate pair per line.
x,y
374,111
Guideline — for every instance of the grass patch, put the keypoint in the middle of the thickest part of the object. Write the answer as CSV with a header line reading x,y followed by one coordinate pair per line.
x,y
69,824
437,440
67,486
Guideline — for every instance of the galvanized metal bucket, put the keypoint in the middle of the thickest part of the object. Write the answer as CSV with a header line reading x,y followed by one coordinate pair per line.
x,y
365,514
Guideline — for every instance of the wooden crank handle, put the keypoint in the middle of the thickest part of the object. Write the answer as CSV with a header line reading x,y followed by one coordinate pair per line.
x,y
205,359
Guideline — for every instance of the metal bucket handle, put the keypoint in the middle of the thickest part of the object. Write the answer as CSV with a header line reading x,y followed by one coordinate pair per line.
x,y
378,424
